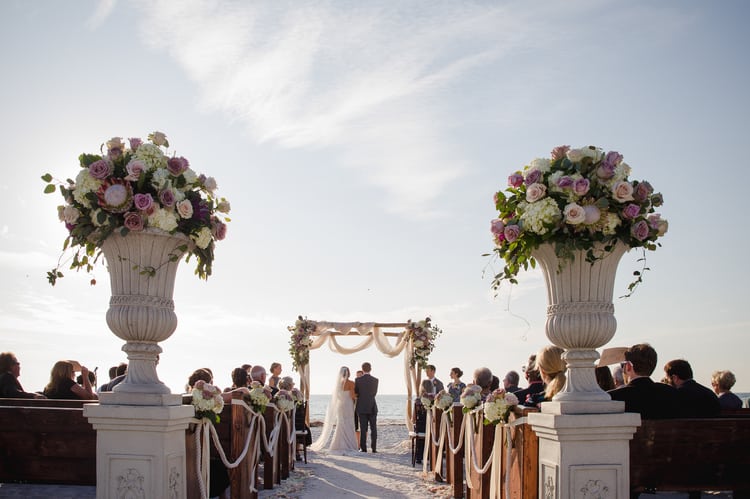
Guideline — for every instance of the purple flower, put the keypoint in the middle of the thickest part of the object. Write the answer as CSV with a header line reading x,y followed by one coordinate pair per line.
x,y
640,230
497,226
135,143
143,202
642,191
515,180
631,211
201,210
166,197
532,177
101,169
177,165
581,186
133,221
613,158
511,233
606,170
218,229
565,182
560,152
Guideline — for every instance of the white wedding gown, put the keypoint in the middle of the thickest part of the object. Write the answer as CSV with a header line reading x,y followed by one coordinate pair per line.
x,y
341,411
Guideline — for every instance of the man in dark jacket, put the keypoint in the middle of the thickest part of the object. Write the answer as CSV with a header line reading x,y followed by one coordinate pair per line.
x,y
366,388
698,401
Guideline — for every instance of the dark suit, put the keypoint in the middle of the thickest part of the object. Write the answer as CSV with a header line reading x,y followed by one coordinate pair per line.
x,y
366,388
698,401
651,400
438,385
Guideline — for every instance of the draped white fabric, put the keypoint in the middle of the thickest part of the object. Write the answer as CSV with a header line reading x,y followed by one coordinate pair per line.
x,y
371,333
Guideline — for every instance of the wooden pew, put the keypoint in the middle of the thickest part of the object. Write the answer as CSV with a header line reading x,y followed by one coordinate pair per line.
x,y
523,473
46,441
454,463
482,449
434,455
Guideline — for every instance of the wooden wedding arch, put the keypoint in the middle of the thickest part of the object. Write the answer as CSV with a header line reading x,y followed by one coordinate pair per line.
x,y
390,338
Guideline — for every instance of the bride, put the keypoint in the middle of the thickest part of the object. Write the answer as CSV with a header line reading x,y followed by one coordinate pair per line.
x,y
341,415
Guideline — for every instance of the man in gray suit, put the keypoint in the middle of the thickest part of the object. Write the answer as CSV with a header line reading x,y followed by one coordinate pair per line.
x,y
366,388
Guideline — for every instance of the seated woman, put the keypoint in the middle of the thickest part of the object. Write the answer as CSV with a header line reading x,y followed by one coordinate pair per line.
x,y
722,383
551,366
483,378
239,379
207,376
62,384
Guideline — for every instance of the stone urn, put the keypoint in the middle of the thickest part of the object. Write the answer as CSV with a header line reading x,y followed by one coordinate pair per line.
x,y
142,267
580,319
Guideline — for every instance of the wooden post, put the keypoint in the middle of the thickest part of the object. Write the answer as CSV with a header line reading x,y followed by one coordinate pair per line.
x,y
270,474
239,477
482,450
524,461
283,449
454,463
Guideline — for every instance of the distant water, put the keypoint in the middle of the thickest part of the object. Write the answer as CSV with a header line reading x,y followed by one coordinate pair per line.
x,y
391,408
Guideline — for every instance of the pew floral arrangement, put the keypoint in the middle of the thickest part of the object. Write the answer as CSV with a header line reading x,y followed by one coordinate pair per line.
x,y
578,199
422,335
284,401
444,402
498,405
259,397
471,397
428,400
207,401
299,399
299,343
135,187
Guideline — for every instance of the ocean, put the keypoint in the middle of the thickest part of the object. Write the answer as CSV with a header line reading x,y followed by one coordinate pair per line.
x,y
391,408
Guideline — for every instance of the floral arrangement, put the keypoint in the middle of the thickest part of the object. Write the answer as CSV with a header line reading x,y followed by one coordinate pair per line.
x,y
299,399
422,335
207,401
443,400
284,400
471,397
428,400
136,187
579,199
259,397
498,405
299,343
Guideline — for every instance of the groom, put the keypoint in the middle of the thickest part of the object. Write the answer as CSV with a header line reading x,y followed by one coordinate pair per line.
x,y
366,387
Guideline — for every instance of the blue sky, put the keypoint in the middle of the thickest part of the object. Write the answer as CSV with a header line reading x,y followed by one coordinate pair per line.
x,y
360,146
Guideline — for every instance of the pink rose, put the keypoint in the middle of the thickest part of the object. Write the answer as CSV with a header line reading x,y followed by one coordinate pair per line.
x,y
515,180
499,239
133,220
574,214
134,168
593,214
535,192
631,211
656,223
167,197
497,226
101,169
622,191
185,208
511,232
177,165
581,186
559,152
640,230
219,230
143,202
135,143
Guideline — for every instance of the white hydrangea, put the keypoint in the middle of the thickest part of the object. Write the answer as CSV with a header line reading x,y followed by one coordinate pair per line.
x,y
190,177
203,238
622,171
85,183
541,164
160,178
151,155
538,217
165,220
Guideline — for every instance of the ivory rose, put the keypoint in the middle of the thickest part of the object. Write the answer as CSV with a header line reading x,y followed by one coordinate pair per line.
x,y
574,214
622,191
185,208
535,192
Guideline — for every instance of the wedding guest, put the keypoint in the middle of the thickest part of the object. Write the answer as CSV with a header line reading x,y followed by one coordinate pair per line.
x,y
604,378
10,371
286,383
617,376
698,401
92,379
536,385
510,382
642,395
551,367
120,373
239,378
62,384
258,373
275,370
483,379
207,376
437,385
456,386
722,383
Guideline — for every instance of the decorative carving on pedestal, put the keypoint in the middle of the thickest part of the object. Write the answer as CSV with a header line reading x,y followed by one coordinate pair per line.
x,y
174,483
549,488
130,485
595,489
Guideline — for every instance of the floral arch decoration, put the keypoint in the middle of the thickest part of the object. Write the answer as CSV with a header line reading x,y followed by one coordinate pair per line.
x,y
415,340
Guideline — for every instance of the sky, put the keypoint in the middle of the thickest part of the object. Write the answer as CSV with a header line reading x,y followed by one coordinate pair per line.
x,y
360,145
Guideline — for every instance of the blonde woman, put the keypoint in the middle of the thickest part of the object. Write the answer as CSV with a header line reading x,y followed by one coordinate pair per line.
x,y
62,383
722,383
551,367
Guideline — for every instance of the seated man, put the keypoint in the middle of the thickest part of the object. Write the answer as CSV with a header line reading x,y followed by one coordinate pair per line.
x,y
10,370
698,401
640,394
510,382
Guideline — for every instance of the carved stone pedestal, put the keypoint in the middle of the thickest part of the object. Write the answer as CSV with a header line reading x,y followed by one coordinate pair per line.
x,y
584,455
140,450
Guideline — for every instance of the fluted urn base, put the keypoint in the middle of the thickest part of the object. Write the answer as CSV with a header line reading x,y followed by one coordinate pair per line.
x,y
142,267
580,319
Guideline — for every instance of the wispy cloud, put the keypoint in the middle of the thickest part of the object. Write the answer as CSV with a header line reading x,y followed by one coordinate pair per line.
x,y
363,80
103,9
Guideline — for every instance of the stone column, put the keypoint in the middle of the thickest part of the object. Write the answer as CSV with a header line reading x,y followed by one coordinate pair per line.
x,y
140,450
584,455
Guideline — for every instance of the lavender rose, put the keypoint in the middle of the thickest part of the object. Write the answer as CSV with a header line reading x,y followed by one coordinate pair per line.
x,y
135,168
219,230
167,197
565,182
532,177
581,186
101,169
642,191
133,221
515,180
631,211
497,226
177,165
143,202
606,170
511,233
640,230
135,143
